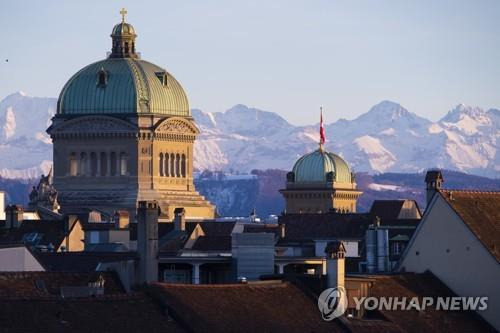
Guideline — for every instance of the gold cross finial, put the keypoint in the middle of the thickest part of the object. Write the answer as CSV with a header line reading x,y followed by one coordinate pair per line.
x,y
123,12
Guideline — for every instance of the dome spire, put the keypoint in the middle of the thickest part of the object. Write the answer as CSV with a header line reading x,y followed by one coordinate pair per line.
x,y
123,12
123,36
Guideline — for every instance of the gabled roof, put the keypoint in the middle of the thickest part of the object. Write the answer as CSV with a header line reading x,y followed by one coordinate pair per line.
x,y
388,209
480,211
217,228
265,307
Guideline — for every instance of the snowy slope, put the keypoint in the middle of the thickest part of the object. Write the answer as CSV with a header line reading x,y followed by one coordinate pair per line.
x,y
388,138
25,148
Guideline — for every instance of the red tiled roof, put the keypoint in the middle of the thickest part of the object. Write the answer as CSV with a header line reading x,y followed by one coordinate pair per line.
x,y
430,320
275,307
42,284
101,314
480,211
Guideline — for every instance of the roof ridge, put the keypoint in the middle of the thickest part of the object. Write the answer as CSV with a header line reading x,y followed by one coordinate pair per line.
x,y
468,191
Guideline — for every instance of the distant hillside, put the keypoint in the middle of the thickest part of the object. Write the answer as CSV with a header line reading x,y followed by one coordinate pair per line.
x,y
237,195
262,192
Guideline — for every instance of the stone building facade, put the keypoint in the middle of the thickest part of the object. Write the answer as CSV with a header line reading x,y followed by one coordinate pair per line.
x,y
320,182
123,133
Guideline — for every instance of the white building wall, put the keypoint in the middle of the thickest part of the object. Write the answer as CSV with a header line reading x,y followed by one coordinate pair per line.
x,y
2,205
18,259
449,249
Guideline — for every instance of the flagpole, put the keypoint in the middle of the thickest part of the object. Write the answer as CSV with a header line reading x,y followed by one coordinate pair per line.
x,y
321,129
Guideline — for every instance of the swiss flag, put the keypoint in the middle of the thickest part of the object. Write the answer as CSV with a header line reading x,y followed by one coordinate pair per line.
x,y
321,129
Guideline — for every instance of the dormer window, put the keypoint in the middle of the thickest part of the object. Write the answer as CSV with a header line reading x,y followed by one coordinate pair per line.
x,y
162,76
102,78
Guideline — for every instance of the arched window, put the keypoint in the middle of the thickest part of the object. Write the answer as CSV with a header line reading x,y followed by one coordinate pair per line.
x,y
162,172
104,164
73,164
166,168
83,164
183,166
123,164
172,165
93,164
177,165
112,160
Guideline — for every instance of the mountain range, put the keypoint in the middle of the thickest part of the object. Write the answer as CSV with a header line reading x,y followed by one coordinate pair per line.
x,y
387,138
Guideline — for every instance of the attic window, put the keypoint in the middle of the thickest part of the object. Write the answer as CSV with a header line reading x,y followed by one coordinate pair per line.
x,y
102,78
162,76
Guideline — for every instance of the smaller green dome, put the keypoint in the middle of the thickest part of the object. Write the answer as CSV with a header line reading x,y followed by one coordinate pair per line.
x,y
321,166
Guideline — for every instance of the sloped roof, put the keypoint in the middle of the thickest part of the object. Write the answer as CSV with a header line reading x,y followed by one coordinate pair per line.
x,y
212,243
79,261
42,284
424,284
389,209
136,313
273,228
269,307
386,209
402,285
50,231
480,211
324,226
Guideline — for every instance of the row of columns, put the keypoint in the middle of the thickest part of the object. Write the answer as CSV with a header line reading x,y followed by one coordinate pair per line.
x,y
172,165
98,164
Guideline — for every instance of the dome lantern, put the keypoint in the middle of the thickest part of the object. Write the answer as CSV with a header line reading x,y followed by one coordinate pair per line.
x,y
123,36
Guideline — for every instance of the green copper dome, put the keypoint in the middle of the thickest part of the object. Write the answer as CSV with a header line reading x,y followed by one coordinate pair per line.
x,y
321,166
123,84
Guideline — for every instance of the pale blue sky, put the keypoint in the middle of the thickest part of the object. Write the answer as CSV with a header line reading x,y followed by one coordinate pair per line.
x,y
282,55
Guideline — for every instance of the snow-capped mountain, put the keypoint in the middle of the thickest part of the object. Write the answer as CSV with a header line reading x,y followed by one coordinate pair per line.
x,y
25,147
388,138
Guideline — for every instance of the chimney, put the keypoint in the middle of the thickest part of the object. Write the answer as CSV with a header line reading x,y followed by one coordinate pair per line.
x,y
282,230
13,216
335,265
180,219
434,180
147,241
121,219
